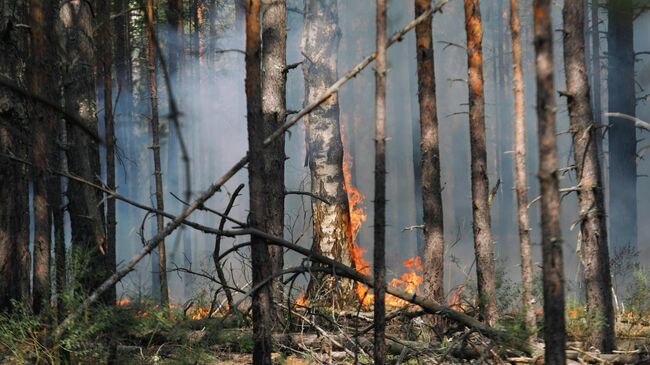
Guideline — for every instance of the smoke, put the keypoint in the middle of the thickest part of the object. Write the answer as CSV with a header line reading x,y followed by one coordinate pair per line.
x,y
210,94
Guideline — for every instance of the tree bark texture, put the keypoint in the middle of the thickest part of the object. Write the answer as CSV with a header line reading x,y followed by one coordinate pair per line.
x,y
434,239
621,133
105,66
15,260
274,79
155,148
42,78
553,279
321,36
483,245
262,301
593,227
521,173
85,207
379,226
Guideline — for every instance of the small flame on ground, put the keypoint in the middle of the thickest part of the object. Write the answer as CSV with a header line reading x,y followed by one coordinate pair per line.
x,y
302,300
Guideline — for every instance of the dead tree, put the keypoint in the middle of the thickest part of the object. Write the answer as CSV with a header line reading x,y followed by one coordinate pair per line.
x,y
105,66
521,179
483,245
262,301
274,79
85,204
553,278
621,134
155,148
593,225
321,36
14,138
434,239
379,226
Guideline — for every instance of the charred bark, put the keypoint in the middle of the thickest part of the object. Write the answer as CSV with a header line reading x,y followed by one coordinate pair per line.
x,y
379,226
321,36
262,300
621,134
521,173
483,245
274,78
14,138
553,276
162,290
593,228
434,239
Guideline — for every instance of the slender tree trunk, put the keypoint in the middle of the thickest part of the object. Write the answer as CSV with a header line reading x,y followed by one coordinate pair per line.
x,y
553,279
85,203
434,239
321,36
379,263
593,228
41,14
155,147
274,79
596,72
621,133
15,260
521,172
262,301
483,244
105,65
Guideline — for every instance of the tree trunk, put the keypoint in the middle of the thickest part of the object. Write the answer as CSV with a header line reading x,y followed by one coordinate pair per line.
x,y
15,260
175,37
434,239
321,36
596,75
621,133
553,279
483,244
105,65
155,148
274,78
262,301
521,178
42,15
379,226
85,203
593,228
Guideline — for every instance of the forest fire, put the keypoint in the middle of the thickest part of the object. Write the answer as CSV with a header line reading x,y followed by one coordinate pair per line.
x,y
409,281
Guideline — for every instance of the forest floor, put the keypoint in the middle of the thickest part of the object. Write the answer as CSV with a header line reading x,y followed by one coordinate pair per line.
x,y
141,333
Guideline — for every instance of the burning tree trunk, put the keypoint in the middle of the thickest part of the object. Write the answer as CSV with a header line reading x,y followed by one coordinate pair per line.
x,y
14,190
521,179
274,39
85,207
593,228
262,301
483,244
554,331
621,133
105,65
155,147
332,238
434,239
379,262
42,15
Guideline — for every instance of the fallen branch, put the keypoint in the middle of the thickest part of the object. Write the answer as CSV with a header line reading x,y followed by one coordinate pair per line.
x,y
637,122
216,186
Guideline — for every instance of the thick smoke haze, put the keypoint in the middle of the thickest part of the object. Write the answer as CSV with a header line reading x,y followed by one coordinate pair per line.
x,y
212,101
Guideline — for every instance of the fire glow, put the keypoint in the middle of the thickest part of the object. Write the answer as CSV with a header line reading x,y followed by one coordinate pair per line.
x,y
409,281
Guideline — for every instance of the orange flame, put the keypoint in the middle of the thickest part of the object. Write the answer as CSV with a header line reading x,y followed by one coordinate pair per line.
x,y
123,302
409,282
302,300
